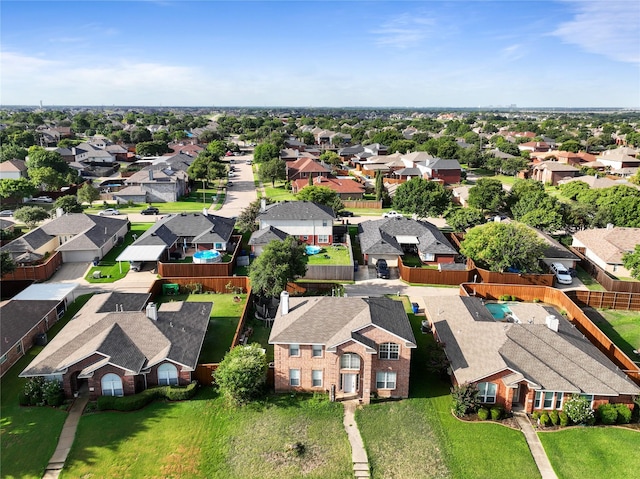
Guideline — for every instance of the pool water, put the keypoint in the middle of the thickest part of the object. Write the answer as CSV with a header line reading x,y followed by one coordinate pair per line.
x,y
313,250
498,310
207,256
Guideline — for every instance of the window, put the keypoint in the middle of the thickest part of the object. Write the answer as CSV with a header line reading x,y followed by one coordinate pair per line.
x,y
559,400
305,238
385,380
294,350
218,246
324,222
547,400
316,350
167,375
350,361
323,238
389,351
589,398
294,377
316,378
19,348
3,359
111,385
429,257
487,392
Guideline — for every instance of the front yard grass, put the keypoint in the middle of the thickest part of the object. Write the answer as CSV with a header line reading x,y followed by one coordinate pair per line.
x,y
580,452
29,435
621,327
109,268
207,438
279,192
330,255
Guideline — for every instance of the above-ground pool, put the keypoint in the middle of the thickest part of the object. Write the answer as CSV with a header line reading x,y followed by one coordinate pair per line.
x,y
207,256
500,311
313,249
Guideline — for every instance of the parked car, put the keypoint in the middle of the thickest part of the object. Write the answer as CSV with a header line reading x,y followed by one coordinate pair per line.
x,y
392,214
43,199
151,210
6,213
135,265
109,212
382,269
248,162
229,184
562,274
345,213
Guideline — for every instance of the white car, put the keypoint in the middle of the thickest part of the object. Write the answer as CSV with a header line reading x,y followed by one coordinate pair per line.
x,y
562,275
392,214
43,199
109,212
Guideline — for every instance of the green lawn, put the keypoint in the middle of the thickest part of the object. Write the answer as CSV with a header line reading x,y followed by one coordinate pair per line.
x,y
588,280
279,192
29,435
623,328
581,452
420,438
205,438
109,267
330,255
414,261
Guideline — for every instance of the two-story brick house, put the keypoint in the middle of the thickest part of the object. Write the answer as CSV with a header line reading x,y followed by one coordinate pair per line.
x,y
348,347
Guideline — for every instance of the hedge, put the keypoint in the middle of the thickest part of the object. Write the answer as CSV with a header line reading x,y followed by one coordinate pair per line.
x,y
140,400
624,414
483,413
608,413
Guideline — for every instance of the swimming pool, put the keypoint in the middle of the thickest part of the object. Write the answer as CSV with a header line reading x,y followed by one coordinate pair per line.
x,y
311,250
499,310
207,256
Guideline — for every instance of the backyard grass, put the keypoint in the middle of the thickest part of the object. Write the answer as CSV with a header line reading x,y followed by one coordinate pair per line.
x,y
623,328
108,266
414,261
588,281
279,192
29,435
580,452
330,255
206,438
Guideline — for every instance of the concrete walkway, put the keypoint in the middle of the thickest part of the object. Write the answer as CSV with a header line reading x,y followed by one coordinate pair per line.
x,y
358,454
56,463
537,451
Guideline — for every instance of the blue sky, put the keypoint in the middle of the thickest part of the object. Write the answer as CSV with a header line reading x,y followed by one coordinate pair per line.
x,y
568,53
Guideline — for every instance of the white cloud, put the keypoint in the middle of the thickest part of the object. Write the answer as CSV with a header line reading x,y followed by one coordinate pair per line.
x,y
404,31
512,52
608,28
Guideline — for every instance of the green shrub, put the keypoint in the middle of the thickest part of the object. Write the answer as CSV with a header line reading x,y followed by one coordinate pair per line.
x,y
607,413
483,413
33,389
23,399
564,419
624,414
514,298
140,400
544,419
52,393
635,414
554,416
180,393
106,403
496,413
578,409
536,415
465,399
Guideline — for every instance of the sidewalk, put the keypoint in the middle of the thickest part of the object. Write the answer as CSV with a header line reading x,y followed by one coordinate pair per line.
x,y
56,463
358,454
537,451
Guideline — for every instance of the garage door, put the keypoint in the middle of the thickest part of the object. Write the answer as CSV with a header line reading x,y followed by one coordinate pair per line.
x,y
78,256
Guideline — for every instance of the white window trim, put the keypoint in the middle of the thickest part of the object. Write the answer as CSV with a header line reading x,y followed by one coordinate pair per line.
x,y
314,349
323,238
294,347
350,367
538,400
292,377
112,390
166,379
486,396
314,379
387,379
387,352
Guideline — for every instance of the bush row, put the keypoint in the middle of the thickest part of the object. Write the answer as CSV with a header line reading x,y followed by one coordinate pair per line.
x,y
607,414
40,392
496,413
140,400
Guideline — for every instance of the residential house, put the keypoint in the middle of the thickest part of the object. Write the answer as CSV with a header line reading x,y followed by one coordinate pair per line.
x,y
348,347
565,157
302,168
389,238
551,172
534,146
13,169
598,182
90,154
605,246
294,144
154,185
25,319
65,153
261,238
619,158
309,222
447,171
119,345
532,359
77,236
346,188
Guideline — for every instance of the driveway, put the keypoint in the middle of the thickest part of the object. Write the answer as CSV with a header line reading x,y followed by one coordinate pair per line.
x,y
243,191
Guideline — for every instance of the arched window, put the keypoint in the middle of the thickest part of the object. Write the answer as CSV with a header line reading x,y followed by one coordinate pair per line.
x,y
350,361
487,392
111,385
167,374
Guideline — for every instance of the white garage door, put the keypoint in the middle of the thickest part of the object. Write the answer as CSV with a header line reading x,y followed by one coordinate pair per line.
x,y
78,256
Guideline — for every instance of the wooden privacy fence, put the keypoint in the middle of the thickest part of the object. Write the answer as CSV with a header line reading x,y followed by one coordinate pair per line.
x,y
373,204
607,299
204,373
40,272
603,277
191,270
209,284
433,276
573,313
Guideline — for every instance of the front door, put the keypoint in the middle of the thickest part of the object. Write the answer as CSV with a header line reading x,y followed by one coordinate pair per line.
x,y
515,399
349,383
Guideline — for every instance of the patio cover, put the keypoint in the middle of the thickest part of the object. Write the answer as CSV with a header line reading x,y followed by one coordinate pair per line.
x,y
407,239
48,291
142,253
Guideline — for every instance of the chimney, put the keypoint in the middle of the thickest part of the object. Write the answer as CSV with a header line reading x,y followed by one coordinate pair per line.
x,y
263,204
152,311
552,322
284,303
151,174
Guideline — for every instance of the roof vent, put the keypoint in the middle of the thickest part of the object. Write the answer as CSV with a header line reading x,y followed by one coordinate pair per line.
x,y
552,322
152,311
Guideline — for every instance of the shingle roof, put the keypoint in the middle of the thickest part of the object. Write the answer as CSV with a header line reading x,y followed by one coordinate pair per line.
x,y
266,236
332,320
296,210
198,227
609,244
17,318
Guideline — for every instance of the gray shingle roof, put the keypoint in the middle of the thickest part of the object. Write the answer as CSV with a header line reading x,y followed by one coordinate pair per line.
x,y
195,227
17,318
295,210
266,235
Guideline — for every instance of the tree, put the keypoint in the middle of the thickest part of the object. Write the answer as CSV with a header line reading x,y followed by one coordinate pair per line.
x,y
571,145
41,158
30,215
572,189
422,197
498,246
279,263
246,221
16,188
322,195
88,194
265,152
152,148
631,261
46,178
272,170
487,195
140,135
379,185
6,263
461,219
241,374
331,157
68,203
12,152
